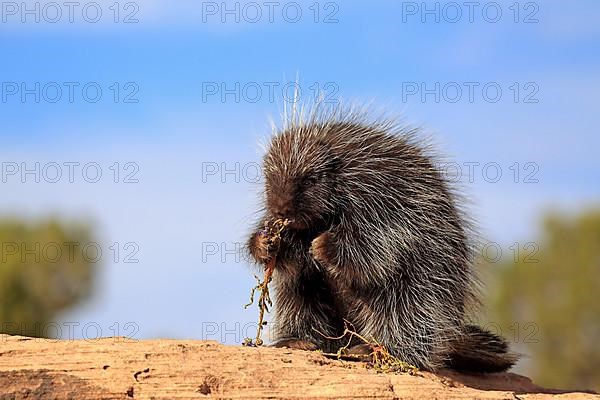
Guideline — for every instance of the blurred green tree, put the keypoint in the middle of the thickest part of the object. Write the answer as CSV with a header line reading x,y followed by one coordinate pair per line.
x,y
45,268
546,300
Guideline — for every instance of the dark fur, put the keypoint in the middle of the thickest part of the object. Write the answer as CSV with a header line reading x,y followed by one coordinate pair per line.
x,y
377,239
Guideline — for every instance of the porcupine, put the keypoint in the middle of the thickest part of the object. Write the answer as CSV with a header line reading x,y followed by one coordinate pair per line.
x,y
377,239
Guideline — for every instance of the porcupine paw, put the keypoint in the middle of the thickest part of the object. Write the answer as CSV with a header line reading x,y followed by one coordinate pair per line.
x,y
295,343
321,249
363,351
259,246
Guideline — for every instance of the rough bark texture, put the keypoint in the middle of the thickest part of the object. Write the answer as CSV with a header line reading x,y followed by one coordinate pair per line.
x,y
118,368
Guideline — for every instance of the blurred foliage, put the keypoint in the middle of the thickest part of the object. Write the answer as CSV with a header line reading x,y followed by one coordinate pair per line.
x,y
43,271
545,299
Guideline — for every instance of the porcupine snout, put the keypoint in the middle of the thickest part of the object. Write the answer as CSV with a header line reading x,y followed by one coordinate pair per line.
x,y
281,203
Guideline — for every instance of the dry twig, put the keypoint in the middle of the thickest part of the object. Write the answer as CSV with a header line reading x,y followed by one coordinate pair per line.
x,y
272,232
379,359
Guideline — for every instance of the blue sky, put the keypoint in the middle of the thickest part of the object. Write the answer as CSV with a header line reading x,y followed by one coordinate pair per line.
x,y
369,55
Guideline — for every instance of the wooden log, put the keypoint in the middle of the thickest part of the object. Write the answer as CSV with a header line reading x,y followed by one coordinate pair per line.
x,y
119,368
